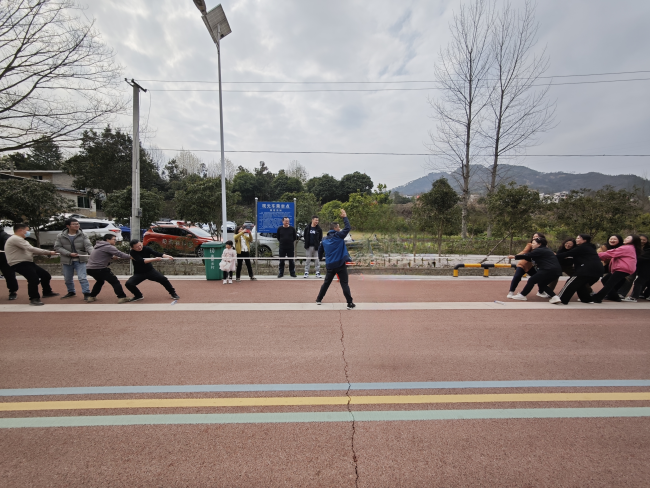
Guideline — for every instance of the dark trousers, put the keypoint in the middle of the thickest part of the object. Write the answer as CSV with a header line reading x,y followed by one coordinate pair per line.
x,y
105,275
240,262
227,275
519,274
639,285
343,279
287,252
627,285
611,284
542,278
580,285
9,274
34,275
153,275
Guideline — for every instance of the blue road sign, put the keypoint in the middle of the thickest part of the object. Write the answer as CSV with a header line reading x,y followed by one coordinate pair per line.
x,y
270,215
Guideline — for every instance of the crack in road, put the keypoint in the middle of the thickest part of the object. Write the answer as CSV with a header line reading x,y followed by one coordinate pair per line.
x,y
347,393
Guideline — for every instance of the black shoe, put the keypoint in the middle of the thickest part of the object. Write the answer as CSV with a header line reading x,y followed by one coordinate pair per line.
x,y
318,302
253,278
237,279
86,295
70,294
36,302
175,297
280,275
596,300
294,276
137,299
51,294
351,306
13,296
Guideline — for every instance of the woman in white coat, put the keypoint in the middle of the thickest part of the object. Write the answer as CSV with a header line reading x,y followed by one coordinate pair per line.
x,y
228,262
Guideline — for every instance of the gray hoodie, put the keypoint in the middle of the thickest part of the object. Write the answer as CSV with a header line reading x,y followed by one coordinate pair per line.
x,y
102,255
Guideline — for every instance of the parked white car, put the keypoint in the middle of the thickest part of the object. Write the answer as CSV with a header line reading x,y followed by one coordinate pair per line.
x,y
90,227
269,245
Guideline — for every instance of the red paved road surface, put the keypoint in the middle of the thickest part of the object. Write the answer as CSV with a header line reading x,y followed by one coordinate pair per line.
x,y
150,348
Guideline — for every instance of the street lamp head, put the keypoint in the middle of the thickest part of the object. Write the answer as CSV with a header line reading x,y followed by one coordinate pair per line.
x,y
200,4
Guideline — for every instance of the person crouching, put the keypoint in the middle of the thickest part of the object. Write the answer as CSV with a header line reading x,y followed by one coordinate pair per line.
x,y
143,270
98,267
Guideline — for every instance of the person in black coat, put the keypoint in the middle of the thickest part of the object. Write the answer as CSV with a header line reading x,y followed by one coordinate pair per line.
x,y
6,271
548,268
287,236
588,269
642,270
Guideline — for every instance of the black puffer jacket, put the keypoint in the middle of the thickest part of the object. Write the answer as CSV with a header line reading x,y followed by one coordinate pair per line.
x,y
543,258
586,261
643,261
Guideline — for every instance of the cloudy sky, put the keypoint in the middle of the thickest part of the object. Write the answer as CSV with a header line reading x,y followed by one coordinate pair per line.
x,y
348,40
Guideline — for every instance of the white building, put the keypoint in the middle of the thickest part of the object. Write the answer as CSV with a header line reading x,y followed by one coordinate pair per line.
x,y
63,182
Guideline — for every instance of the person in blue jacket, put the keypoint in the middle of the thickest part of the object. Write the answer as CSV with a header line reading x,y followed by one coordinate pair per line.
x,y
336,255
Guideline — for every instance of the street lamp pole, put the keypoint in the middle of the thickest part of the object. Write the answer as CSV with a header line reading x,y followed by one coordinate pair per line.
x,y
224,216
218,27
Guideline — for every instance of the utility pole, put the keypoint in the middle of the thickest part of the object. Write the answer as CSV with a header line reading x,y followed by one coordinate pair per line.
x,y
136,211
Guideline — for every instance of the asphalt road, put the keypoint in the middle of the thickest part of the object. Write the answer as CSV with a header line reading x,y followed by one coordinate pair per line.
x,y
554,396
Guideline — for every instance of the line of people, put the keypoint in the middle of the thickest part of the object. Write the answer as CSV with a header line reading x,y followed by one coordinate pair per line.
x,y
77,255
621,264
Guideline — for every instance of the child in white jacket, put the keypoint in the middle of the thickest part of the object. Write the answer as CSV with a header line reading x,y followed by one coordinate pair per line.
x,y
228,262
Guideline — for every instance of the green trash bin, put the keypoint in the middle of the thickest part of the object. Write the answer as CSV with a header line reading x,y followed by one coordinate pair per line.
x,y
212,249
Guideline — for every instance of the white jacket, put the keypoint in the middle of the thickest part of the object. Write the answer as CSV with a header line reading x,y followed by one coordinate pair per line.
x,y
18,250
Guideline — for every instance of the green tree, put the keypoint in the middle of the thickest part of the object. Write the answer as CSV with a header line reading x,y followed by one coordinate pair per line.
x,y
606,211
104,163
245,183
355,182
306,206
44,154
512,208
326,188
32,201
437,209
284,184
200,201
263,180
118,206
331,212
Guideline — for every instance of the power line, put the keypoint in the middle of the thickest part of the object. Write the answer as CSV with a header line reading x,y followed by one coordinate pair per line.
x,y
380,89
375,82
413,154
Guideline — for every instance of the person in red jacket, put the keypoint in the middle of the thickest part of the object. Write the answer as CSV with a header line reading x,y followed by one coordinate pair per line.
x,y
622,264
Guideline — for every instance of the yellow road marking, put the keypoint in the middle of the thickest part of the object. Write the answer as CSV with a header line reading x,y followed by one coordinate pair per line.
x,y
306,401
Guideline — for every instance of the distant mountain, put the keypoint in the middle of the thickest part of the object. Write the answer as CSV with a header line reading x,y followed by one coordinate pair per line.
x,y
543,182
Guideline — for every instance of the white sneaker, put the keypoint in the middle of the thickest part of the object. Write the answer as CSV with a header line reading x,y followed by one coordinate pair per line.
x,y
511,294
555,299
519,296
543,295
629,299
225,282
318,275
306,275
230,282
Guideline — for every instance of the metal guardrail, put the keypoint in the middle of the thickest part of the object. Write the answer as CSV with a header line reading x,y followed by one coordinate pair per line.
x,y
486,267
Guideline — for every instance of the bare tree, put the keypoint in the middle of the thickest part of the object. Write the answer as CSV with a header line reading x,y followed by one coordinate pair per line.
x,y
462,73
297,170
57,77
519,111
190,162
213,169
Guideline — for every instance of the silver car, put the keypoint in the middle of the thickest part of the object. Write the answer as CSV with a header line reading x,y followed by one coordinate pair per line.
x,y
91,227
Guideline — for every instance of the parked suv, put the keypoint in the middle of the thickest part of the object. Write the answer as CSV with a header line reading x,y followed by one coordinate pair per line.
x,y
185,240
91,227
